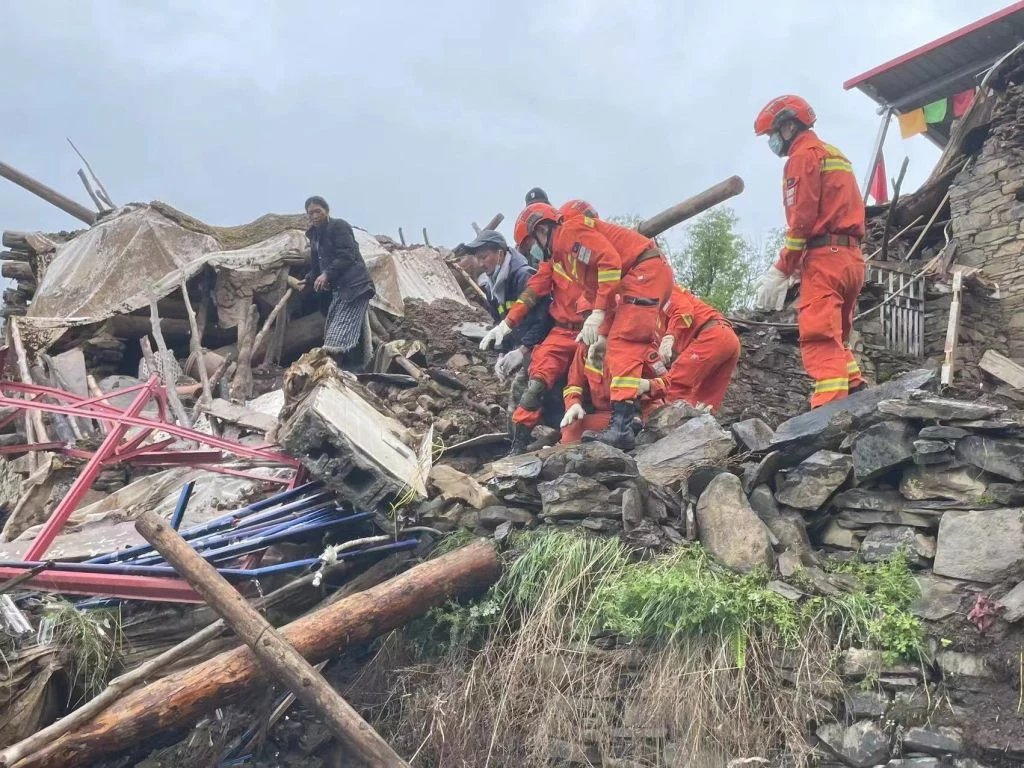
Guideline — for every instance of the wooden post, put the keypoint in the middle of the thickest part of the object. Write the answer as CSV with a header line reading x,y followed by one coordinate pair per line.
x,y
476,227
426,239
33,418
494,222
170,386
271,649
241,384
52,196
952,331
103,194
88,188
17,270
897,183
690,207
401,235
195,344
261,337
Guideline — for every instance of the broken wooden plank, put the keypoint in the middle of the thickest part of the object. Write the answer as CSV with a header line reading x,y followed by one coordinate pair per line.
x,y
178,700
240,415
50,195
285,663
952,331
1003,368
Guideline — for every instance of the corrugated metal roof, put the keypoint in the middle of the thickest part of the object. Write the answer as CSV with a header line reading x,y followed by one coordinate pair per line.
x,y
945,66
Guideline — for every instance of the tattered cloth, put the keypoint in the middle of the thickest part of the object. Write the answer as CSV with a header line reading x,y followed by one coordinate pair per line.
x,y
345,322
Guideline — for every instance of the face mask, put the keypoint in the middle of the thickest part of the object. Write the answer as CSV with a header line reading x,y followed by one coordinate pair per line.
x,y
537,253
777,144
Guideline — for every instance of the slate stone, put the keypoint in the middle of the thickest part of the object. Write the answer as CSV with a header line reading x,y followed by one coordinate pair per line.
x,y
632,508
962,484
586,459
912,705
1000,457
492,517
866,703
574,496
863,744
943,459
956,666
789,529
939,597
835,535
863,662
914,762
1013,604
942,433
763,472
931,446
860,518
985,546
860,405
666,419
934,741
753,434
882,447
875,501
1006,494
809,485
883,542
762,500
728,527
672,459
928,407
701,478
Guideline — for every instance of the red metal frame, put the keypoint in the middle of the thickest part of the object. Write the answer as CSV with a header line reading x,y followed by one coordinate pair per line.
x,y
934,44
118,447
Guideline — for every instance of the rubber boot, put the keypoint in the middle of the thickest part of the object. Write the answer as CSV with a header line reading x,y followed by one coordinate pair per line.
x,y
521,436
620,431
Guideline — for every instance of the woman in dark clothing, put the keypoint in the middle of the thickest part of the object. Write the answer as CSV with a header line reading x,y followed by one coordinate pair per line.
x,y
338,271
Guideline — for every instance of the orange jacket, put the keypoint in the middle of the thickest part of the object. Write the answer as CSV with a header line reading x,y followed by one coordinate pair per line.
x,y
596,254
550,280
686,315
820,195
586,383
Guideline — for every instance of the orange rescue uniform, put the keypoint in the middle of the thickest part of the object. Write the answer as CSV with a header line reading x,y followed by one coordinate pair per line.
x,y
704,353
825,224
550,359
624,274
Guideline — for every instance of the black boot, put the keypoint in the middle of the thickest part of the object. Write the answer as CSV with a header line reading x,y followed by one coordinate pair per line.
x,y
859,388
620,431
521,436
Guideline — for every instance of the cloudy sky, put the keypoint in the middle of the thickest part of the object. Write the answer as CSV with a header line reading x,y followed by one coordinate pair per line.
x,y
436,114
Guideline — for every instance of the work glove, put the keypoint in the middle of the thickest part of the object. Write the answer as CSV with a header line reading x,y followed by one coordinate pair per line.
x,y
508,363
665,350
575,412
644,386
771,290
595,354
591,326
495,336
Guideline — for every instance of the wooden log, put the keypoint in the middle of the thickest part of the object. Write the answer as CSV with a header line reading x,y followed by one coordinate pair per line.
x,y
494,222
195,344
242,383
17,270
103,194
178,700
285,663
14,255
35,430
88,188
52,196
168,360
690,207
1003,368
16,240
134,326
261,337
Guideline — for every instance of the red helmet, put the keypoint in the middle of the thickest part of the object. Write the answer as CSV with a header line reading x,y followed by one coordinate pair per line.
x,y
578,208
780,109
532,215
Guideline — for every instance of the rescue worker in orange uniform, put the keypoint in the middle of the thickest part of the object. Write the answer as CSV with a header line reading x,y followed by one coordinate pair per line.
x,y
701,349
625,281
824,228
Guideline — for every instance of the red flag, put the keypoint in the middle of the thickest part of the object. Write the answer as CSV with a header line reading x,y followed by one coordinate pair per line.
x,y
879,188
962,102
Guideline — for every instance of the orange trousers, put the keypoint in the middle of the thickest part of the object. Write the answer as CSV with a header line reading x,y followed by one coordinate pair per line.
x,y
549,362
703,369
600,420
632,328
830,281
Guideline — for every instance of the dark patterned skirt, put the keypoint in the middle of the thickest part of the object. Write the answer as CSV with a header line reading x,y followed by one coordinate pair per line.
x,y
345,319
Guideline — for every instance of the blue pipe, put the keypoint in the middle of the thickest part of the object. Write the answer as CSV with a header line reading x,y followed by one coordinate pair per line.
x,y
179,511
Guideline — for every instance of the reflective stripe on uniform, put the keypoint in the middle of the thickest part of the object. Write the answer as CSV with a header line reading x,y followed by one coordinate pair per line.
x,y
570,391
560,271
852,368
795,243
836,161
592,369
831,385
609,275
626,382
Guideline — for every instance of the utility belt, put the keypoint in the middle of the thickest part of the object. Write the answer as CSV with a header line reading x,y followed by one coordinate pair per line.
x,y
569,326
650,253
824,241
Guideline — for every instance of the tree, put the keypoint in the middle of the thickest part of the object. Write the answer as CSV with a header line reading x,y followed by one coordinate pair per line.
x,y
715,262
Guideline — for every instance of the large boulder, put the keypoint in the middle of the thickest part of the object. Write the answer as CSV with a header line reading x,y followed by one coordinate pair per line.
x,y
1000,457
882,447
730,529
810,484
574,496
586,459
986,546
753,434
963,484
699,441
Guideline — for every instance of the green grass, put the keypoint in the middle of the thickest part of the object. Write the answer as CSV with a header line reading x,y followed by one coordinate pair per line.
x,y
88,642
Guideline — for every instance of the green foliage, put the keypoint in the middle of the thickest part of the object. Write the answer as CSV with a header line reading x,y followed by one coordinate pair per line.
x,y
89,642
586,584
713,262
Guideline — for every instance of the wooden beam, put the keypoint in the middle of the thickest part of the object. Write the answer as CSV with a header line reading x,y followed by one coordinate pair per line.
x,y
52,196
690,207
494,222
176,701
285,663
1003,368
952,331
17,270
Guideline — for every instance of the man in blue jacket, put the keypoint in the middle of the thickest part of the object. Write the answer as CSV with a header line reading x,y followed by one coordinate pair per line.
x,y
339,272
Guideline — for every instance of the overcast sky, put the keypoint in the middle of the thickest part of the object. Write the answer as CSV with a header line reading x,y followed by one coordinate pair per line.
x,y
437,114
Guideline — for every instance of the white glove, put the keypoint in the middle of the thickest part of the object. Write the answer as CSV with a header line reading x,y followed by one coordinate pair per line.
x,y
771,290
591,326
595,354
575,413
644,386
508,363
665,350
495,336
